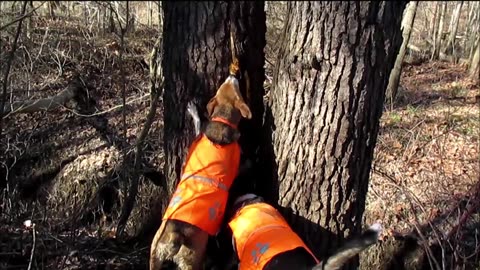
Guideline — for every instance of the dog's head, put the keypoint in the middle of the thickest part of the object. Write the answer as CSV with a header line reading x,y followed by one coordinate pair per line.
x,y
225,110
228,98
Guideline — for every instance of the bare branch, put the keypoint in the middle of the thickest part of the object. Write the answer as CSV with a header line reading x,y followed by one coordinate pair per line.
x,y
21,17
156,86
9,64
32,252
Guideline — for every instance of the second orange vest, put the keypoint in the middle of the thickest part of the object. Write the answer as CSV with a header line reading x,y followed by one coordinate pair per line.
x,y
260,233
201,195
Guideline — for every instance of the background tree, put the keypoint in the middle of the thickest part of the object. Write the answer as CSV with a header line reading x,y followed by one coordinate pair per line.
x,y
407,24
473,29
474,69
452,32
439,30
434,24
326,102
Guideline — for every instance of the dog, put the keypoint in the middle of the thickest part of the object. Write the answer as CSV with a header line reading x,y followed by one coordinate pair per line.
x,y
196,209
263,240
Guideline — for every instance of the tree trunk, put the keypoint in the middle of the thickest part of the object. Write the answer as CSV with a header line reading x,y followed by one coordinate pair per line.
x,y
149,13
111,24
30,22
407,24
85,14
450,49
51,9
473,29
160,15
438,38
470,19
436,17
328,94
196,59
474,69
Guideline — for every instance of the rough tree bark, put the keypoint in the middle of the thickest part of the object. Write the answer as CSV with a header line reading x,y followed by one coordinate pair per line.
x,y
438,37
329,88
450,48
196,58
407,24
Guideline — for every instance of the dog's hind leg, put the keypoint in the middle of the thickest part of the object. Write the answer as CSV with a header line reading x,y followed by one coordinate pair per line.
x,y
193,112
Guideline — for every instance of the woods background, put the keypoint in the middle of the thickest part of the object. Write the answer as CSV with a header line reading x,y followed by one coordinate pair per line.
x,y
93,128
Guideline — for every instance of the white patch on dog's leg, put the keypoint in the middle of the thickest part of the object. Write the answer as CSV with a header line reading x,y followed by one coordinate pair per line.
x,y
192,110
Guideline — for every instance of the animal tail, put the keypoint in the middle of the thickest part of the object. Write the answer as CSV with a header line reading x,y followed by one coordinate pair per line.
x,y
351,249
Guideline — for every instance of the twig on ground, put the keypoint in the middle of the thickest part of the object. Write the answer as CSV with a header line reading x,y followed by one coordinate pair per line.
x,y
33,247
109,110
473,207
413,198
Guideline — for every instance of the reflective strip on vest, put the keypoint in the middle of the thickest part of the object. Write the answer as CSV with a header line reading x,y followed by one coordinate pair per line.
x,y
260,233
206,180
201,196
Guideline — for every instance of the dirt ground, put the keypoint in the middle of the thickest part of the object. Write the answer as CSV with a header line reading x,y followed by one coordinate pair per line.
x,y
425,177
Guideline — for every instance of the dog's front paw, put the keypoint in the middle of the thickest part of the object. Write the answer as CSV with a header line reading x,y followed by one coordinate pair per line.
x,y
192,110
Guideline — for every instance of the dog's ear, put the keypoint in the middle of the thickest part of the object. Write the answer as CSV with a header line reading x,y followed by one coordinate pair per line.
x,y
211,105
243,108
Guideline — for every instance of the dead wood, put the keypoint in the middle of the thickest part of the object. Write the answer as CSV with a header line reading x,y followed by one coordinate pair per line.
x,y
73,91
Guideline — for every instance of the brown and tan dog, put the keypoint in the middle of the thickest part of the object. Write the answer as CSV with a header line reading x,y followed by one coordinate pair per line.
x,y
197,207
263,240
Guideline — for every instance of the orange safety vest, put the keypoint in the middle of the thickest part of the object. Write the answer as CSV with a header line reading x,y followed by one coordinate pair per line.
x,y
201,196
260,232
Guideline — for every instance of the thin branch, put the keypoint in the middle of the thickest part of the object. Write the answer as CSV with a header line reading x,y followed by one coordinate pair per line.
x,y
34,242
156,86
21,17
407,192
111,109
9,64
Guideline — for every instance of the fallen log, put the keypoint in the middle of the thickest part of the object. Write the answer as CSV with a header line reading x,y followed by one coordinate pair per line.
x,y
73,91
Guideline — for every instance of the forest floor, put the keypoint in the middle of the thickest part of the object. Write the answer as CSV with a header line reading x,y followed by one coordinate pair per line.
x,y
425,174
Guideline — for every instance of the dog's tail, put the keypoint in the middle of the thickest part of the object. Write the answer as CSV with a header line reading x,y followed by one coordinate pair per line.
x,y
351,249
